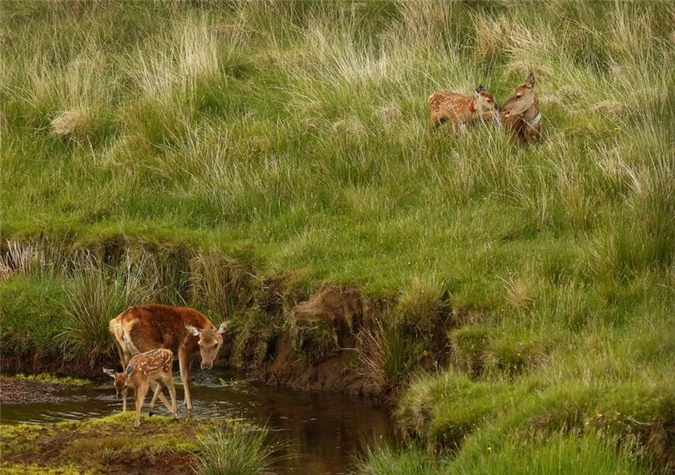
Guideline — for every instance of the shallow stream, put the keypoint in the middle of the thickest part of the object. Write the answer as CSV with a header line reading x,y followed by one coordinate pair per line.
x,y
321,433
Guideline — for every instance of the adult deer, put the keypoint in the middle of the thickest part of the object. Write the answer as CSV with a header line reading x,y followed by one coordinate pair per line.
x,y
521,115
458,110
184,331
150,369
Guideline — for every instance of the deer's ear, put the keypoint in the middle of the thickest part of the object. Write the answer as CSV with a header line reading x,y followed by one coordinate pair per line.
x,y
480,89
223,326
193,330
130,368
109,372
529,80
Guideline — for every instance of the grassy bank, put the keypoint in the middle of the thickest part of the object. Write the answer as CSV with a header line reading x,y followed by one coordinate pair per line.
x,y
111,444
189,152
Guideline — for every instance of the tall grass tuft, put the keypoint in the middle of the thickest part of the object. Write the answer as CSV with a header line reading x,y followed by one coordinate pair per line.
x,y
96,294
237,450
384,358
93,300
221,284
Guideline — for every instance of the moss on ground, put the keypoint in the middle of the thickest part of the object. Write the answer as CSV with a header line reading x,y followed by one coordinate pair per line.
x,y
104,444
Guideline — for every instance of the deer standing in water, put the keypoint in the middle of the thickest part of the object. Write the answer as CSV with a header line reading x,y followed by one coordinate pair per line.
x,y
521,115
458,110
184,331
150,369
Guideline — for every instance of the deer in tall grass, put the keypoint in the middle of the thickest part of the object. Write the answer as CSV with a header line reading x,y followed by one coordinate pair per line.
x,y
521,115
183,330
457,111
151,369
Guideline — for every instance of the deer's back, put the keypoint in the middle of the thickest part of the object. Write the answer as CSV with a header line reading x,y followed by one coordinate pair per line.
x,y
445,100
159,326
152,365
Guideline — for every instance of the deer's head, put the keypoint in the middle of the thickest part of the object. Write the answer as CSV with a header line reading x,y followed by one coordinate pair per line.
x,y
210,341
121,379
484,100
522,99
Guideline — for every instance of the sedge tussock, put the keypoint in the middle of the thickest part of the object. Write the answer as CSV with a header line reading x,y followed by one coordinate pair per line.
x,y
73,123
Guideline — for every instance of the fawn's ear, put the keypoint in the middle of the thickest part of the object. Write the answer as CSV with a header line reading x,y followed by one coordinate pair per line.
x,y
480,89
193,331
109,372
223,326
130,368
529,80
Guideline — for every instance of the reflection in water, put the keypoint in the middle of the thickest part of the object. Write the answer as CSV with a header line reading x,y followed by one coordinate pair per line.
x,y
320,433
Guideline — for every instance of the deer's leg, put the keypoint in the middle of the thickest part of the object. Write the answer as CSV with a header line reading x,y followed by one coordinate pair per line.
x,y
184,363
140,396
158,394
120,353
172,392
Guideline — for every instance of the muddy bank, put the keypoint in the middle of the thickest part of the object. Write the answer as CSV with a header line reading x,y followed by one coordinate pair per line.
x,y
339,340
23,391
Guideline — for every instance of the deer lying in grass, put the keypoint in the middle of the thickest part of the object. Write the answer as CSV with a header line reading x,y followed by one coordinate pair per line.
x,y
184,331
150,369
458,110
521,115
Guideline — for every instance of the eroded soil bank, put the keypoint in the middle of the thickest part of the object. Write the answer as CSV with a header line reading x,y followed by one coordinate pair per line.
x,y
339,340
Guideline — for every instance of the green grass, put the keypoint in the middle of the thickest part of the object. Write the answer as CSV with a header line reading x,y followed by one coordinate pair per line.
x,y
241,450
194,150
102,445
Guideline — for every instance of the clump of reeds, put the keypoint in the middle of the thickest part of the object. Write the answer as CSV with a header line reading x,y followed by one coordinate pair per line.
x,y
238,449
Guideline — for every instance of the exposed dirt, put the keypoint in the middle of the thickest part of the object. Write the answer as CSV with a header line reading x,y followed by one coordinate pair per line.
x,y
23,391
330,321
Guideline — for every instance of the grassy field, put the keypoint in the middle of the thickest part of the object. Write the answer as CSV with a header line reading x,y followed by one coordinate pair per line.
x,y
185,151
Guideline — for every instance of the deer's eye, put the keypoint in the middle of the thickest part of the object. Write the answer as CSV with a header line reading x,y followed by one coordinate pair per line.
x,y
518,96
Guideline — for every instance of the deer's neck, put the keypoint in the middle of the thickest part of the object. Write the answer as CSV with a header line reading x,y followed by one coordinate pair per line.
x,y
535,120
532,116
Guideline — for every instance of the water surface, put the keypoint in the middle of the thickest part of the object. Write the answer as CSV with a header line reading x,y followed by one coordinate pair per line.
x,y
321,433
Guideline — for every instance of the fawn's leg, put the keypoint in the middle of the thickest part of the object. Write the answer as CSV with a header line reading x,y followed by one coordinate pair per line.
x,y
140,396
124,400
158,394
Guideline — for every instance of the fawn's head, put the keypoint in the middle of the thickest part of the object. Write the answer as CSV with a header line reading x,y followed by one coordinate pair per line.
x,y
210,341
484,100
523,98
121,379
